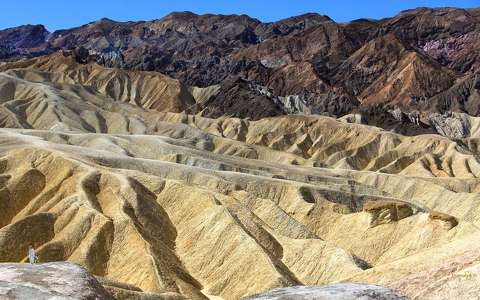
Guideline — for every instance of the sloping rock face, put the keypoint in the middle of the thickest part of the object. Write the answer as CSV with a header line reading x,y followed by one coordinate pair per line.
x,y
49,281
23,41
341,291
148,90
175,205
388,70
421,59
447,34
386,211
118,170
463,96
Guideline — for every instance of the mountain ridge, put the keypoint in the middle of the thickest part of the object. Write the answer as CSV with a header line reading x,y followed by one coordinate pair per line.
x,y
204,157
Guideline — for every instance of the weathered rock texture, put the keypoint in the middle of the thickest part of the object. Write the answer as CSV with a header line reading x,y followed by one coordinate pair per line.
x,y
118,169
330,292
49,281
163,204
422,59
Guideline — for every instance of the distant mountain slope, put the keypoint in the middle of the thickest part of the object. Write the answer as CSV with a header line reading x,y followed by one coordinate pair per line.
x,y
307,63
187,157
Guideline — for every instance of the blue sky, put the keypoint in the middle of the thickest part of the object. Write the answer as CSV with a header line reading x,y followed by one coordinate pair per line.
x,y
58,14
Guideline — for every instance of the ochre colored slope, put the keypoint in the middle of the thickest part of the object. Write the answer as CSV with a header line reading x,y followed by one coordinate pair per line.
x,y
203,215
159,202
149,90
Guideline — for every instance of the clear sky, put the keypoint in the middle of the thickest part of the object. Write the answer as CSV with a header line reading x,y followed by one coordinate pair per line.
x,y
58,14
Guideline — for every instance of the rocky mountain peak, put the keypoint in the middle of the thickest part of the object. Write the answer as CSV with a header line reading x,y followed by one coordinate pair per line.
x,y
403,60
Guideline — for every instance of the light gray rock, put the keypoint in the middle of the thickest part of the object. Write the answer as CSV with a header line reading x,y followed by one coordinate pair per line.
x,y
342,291
55,281
273,63
292,104
451,125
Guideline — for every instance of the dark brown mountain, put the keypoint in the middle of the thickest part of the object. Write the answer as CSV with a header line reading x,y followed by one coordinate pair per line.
x,y
22,41
463,96
386,70
449,35
236,99
421,59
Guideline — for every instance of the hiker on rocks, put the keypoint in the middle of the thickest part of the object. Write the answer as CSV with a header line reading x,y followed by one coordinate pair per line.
x,y
32,258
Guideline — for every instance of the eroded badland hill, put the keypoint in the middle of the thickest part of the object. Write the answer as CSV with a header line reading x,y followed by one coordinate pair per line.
x,y
187,157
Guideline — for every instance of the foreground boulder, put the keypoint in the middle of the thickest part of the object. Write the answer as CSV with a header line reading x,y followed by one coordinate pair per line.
x,y
49,281
343,291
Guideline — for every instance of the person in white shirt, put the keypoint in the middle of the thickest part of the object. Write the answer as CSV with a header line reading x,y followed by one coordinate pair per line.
x,y
32,258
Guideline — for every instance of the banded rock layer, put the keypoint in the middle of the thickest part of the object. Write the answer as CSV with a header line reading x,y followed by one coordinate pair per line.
x,y
181,204
308,64
118,171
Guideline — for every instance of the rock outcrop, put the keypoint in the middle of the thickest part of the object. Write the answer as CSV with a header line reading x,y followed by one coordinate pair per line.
x,y
222,179
164,204
330,292
49,281
383,212
422,59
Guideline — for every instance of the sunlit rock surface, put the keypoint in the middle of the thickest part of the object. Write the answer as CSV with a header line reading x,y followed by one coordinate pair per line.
x,y
330,292
63,281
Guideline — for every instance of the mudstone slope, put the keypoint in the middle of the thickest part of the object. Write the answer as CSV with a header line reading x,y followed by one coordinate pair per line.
x,y
188,183
305,64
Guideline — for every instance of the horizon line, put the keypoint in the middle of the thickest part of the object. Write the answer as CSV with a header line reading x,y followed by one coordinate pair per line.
x,y
236,14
